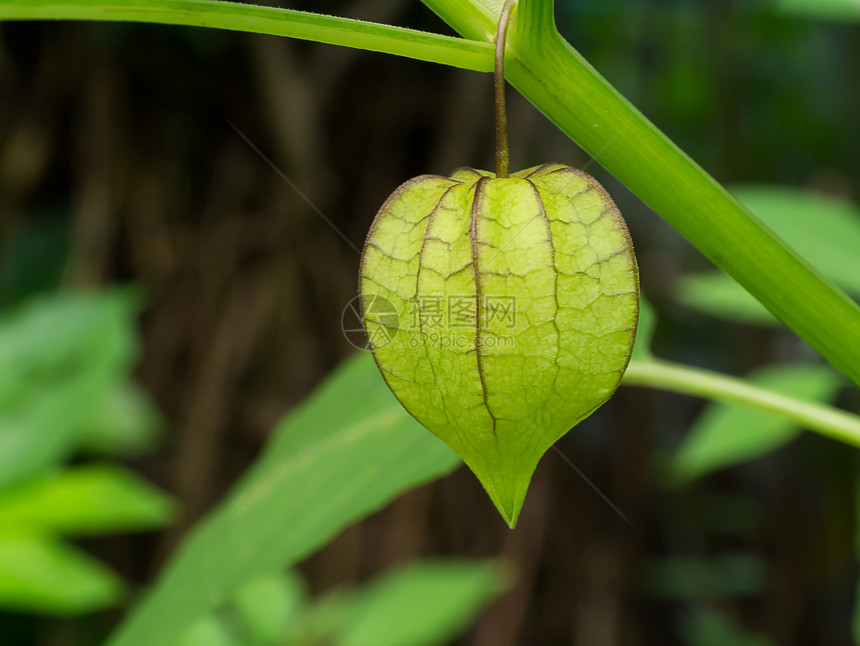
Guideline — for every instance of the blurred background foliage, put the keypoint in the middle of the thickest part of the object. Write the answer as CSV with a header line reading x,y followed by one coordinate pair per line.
x,y
127,412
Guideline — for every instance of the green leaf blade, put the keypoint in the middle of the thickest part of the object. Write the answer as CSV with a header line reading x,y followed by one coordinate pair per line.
x,y
39,574
209,631
841,10
84,501
421,604
328,467
727,434
125,423
260,19
60,356
271,606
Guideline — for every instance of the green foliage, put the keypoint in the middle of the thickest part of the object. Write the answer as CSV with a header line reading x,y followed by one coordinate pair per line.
x,y
259,19
270,608
420,604
825,231
39,573
848,10
124,423
60,357
644,332
84,500
209,631
64,362
334,460
647,370
726,434
513,327
855,628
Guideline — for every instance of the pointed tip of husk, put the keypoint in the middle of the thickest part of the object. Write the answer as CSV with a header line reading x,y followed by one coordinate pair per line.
x,y
507,493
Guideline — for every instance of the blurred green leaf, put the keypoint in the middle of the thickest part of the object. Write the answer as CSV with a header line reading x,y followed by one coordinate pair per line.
x,y
707,627
60,356
825,231
644,332
321,619
727,434
343,454
419,604
422,603
855,624
42,575
85,500
125,422
726,576
209,631
826,9
269,608
714,293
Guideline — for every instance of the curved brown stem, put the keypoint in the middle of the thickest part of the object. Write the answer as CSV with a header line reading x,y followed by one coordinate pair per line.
x,y
502,154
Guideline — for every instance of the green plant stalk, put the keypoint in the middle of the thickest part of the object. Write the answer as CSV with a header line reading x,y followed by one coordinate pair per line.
x,y
235,16
826,420
561,83
502,150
